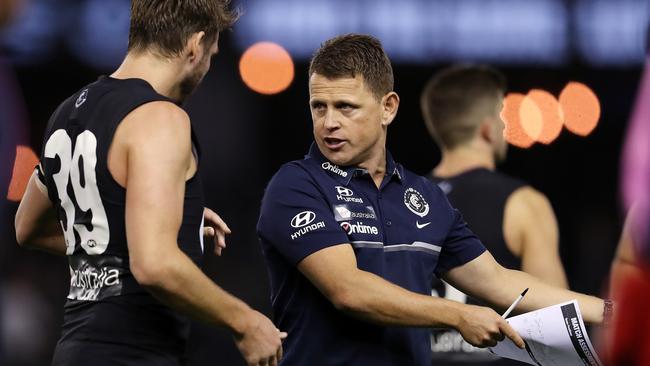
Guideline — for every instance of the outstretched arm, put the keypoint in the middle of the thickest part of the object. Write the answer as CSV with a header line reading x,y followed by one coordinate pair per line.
x,y
364,295
500,286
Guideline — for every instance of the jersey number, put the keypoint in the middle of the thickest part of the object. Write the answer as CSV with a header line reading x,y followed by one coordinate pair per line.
x,y
85,215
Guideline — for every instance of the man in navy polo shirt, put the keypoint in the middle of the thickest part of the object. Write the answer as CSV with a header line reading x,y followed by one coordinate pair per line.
x,y
353,240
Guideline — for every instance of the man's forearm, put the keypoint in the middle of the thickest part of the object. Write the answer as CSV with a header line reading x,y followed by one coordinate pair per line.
x,y
53,244
372,298
540,295
179,283
484,279
45,235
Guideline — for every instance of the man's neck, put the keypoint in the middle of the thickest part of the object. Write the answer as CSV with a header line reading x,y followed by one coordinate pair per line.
x,y
161,73
376,167
462,159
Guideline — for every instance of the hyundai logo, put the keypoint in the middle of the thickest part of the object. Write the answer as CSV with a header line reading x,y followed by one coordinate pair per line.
x,y
345,192
302,219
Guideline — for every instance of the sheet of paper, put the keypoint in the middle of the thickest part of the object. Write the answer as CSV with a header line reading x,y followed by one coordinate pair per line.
x,y
554,336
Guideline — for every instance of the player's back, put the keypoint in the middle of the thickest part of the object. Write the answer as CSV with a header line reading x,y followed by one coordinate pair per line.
x,y
480,195
109,318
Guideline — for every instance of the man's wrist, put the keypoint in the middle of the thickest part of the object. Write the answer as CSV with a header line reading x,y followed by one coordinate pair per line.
x,y
239,321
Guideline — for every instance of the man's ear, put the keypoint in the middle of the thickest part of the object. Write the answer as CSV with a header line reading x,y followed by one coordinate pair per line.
x,y
194,47
390,105
487,130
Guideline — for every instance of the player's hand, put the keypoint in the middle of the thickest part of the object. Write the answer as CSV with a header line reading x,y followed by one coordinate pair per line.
x,y
260,342
216,229
483,327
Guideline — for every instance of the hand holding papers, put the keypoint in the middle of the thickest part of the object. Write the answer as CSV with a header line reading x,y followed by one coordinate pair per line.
x,y
554,336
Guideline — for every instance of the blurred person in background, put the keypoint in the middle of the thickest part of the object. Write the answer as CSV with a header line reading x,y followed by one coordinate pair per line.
x,y
10,127
628,342
118,172
461,106
352,239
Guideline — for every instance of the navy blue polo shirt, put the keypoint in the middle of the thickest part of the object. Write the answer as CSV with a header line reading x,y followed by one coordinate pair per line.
x,y
405,231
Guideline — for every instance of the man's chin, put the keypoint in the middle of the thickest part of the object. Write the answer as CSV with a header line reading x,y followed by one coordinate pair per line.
x,y
337,157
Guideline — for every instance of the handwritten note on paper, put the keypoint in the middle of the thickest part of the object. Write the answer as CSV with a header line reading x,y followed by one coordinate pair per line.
x,y
554,336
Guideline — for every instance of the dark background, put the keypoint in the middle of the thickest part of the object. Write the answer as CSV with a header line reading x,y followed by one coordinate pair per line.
x,y
246,136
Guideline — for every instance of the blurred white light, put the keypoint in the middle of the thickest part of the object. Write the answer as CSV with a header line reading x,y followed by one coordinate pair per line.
x,y
500,31
612,32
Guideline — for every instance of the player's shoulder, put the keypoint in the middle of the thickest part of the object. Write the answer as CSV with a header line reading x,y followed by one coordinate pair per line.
x,y
58,117
527,197
158,125
161,110
527,205
292,173
158,117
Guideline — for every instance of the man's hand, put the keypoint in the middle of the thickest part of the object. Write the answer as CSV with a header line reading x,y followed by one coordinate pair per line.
x,y
260,342
483,327
215,228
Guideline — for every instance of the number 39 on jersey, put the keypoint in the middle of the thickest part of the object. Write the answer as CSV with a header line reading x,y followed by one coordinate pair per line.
x,y
84,213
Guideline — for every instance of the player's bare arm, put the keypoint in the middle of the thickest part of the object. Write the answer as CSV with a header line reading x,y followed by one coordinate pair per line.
x,y
531,232
499,286
334,272
36,224
157,148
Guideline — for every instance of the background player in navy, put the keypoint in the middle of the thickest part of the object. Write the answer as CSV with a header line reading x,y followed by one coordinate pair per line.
x,y
118,169
352,239
461,106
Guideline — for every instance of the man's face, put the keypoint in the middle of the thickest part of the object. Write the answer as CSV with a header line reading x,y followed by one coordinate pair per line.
x,y
500,144
347,119
195,76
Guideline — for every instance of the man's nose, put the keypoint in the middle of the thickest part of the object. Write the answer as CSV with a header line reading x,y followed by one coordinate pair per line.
x,y
331,119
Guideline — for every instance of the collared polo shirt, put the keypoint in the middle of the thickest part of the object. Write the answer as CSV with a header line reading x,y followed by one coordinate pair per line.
x,y
404,231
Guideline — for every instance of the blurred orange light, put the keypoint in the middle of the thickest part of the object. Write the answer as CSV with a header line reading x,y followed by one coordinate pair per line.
x,y
581,108
547,117
267,68
531,118
514,132
24,165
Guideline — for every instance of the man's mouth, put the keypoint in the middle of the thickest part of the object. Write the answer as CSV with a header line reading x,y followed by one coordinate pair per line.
x,y
334,143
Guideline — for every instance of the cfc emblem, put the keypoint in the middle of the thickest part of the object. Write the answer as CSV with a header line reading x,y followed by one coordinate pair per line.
x,y
415,202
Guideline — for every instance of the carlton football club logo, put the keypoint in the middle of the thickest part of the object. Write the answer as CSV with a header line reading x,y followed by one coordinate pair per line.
x,y
415,202
82,98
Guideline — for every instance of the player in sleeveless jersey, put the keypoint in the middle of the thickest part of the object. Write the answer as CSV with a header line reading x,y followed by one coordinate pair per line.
x,y
461,106
118,170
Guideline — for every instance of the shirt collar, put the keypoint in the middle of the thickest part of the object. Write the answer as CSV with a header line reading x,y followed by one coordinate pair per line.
x,y
345,174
